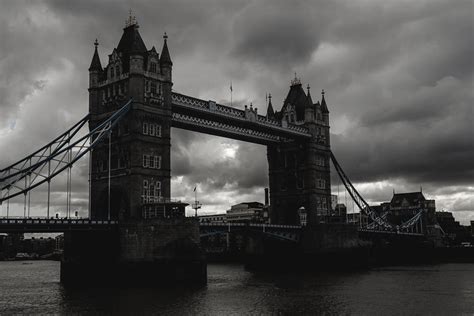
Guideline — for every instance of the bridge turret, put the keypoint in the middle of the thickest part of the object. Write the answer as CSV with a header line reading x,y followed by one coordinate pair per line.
x,y
309,109
165,60
324,108
95,72
270,111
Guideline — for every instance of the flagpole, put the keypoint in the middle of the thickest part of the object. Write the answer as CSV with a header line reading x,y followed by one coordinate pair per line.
x,y
231,93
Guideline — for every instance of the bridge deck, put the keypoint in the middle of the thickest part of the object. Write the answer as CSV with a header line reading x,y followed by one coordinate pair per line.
x,y
40,225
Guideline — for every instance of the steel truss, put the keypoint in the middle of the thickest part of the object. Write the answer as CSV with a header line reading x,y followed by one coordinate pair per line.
x,y
55,157
413,225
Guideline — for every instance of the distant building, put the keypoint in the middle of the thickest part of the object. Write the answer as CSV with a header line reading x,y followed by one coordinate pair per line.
x,y
456,232
248,212
214,218
403,206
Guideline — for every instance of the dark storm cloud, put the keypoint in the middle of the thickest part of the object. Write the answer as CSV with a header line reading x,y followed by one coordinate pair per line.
x,y
398,76
277,34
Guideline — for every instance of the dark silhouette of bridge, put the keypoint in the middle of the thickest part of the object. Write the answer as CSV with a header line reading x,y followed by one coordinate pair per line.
x,y
132,109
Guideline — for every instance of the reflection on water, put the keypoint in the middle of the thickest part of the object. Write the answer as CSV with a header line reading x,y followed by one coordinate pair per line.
x,y
33,287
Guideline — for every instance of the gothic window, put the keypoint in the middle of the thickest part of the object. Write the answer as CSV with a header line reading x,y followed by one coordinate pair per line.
x,y
158,189
320,161
153,67
292,118
321,184
158,162
152,129
153,162
153,87
324,203
158,131
145,190
117,71
147,86
112,74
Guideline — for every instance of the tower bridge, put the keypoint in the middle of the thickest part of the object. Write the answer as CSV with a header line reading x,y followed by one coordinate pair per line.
x,y
132,109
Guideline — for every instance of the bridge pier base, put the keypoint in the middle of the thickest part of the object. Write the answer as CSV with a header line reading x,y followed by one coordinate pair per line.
x,y
153,253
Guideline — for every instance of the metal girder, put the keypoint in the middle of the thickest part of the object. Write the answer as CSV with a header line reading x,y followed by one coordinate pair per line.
x,y
57,156
223,129
379,222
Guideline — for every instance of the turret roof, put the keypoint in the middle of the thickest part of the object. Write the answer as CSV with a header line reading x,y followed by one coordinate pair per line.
x,y
95,63
165,54
131,43
324,107
296,97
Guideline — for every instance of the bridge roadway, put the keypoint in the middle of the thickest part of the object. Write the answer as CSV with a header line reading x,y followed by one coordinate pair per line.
x,y
58,225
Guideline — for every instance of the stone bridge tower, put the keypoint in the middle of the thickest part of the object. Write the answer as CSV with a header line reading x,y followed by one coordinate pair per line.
x,y
153,243
299,171
140,143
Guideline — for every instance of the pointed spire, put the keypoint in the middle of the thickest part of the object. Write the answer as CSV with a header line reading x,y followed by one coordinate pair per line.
x,y
324,107
95,63
270,111
165,54
310,100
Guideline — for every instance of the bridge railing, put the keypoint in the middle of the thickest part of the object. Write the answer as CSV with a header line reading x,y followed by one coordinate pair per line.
x,y
55,221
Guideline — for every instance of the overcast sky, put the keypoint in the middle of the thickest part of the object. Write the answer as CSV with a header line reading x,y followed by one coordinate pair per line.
x,y
398,77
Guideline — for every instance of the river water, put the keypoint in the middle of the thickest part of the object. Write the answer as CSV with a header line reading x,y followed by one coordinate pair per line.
x,y
32,287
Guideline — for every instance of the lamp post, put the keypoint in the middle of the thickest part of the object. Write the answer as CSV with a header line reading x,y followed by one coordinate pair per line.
x,y
196,204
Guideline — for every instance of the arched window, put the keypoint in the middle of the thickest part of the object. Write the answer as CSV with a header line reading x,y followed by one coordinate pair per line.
x,y
153,67
112,74
117,70
158,189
